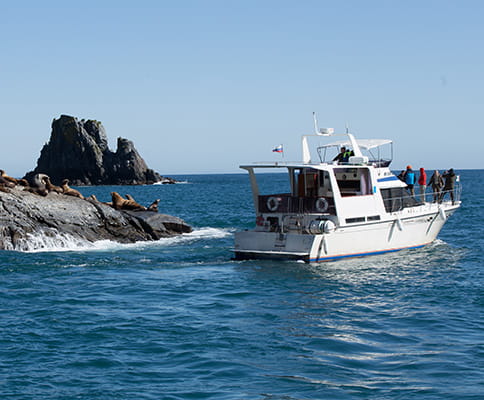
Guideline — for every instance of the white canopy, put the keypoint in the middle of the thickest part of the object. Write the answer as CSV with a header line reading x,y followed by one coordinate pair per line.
x,y
365,144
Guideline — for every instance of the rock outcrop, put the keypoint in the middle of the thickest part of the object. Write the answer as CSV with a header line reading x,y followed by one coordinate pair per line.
x,y
28,221
78,151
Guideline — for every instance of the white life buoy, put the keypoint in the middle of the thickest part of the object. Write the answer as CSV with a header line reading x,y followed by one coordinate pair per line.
x,y
321,205
272,203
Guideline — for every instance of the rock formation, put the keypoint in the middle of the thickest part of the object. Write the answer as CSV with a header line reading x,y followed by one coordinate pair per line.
x,y
27,220
78,151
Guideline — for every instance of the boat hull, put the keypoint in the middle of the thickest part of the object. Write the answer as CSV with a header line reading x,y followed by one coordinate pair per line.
x,y
394,234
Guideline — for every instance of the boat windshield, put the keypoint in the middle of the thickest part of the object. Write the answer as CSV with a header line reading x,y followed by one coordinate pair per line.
x,y
378,151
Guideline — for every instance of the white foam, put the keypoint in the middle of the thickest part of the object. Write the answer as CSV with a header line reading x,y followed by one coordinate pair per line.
x,y
171,183
36,243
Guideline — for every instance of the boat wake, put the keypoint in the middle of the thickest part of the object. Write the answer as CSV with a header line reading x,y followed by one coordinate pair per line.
x,y
62,242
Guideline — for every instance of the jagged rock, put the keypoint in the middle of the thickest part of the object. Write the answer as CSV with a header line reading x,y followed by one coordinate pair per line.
x,y
78,150
25,217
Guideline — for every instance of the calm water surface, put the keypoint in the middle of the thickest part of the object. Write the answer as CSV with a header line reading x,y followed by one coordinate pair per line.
x,y
178,319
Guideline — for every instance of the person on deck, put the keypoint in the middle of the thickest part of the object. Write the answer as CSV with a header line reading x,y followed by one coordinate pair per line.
x,y
422,183
450,178
339,157
410,179
349,153
437,183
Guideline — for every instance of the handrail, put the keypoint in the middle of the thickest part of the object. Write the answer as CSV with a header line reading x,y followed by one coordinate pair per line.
x,y
430,197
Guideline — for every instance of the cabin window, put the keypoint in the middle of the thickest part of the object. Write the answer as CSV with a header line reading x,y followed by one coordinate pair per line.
x,y
312,183
396,199
354,181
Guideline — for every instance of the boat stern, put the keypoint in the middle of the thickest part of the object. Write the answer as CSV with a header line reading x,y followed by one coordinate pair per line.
x,y
252,244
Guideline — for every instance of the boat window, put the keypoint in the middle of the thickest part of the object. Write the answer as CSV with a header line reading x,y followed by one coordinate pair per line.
x,y
354,181
270,182
396,199
312,183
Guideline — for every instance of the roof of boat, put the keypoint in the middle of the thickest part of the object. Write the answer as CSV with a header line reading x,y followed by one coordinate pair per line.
x,y
365,144
299,164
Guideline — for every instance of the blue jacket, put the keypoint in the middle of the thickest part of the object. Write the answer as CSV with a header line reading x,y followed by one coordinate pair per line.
x,y
410,177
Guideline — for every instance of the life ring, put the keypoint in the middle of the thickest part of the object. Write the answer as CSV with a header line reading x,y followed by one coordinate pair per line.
x,y
272,203
321,205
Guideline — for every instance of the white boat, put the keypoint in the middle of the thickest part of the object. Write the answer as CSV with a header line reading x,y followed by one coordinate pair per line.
x,y
335,210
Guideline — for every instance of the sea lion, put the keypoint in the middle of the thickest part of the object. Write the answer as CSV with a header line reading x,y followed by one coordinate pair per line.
x,y
4,175
69,191
92,198
131,198
23,182
38,185
154,206
123,204
50,187
6,183
38,181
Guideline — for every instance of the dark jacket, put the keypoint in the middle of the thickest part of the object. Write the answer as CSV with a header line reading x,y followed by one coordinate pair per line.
x,y
436,181
450,178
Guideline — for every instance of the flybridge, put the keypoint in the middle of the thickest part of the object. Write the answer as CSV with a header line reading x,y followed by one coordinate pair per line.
x,y
348,142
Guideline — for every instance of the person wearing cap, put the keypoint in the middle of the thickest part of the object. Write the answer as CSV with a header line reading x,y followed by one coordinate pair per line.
x,y
450,178
410,179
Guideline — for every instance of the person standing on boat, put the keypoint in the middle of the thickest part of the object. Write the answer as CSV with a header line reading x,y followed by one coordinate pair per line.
x,y
349,153
340,156
437,183
410,179
450,178
422,183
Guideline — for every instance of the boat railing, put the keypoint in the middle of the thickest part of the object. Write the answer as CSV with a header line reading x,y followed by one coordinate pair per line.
x,y
287,203
427,198
393,201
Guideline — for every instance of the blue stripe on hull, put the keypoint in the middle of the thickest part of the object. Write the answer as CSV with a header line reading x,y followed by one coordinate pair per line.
x,y
373,253
387,179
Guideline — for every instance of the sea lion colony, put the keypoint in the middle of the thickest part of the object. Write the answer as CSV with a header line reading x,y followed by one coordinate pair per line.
x,y
42,186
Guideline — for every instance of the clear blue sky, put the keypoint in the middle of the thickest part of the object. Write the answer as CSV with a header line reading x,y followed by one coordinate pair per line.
x,y
203,86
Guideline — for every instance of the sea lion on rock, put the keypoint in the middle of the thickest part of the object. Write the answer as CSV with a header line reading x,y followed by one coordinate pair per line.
x,y
69,191
37,185
38,181
4,175
123,204
5,183
23,182
50,187
93,198
154,206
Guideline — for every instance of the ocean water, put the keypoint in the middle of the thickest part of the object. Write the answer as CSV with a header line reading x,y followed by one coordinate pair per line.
x,y
178,319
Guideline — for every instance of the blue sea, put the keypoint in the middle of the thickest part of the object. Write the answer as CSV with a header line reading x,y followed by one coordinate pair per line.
x,y
179,319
